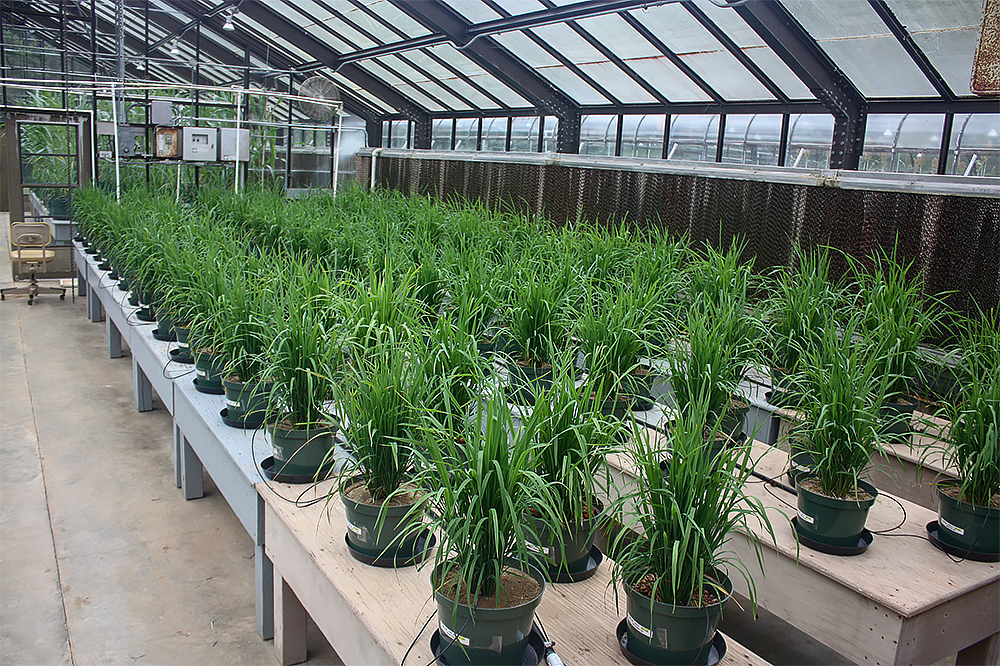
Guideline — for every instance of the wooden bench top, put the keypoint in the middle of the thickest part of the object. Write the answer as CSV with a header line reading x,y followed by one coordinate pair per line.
x,y
393,604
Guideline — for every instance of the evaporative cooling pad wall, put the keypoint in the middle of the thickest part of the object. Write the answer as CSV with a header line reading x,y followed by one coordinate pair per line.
x,y
954,239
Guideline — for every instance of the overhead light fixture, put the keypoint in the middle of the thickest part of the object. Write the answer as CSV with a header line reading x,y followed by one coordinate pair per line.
x,y
174,49
228,25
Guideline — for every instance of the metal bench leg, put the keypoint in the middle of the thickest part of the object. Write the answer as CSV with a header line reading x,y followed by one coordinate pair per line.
x,y
143,389
192,481
114,339
178,439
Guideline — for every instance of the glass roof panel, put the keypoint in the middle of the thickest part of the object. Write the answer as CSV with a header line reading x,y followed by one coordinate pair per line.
x,y
521,46
324,36
724,73
395,17
349,33
571,45
431,87
776,70
670,81
419,97
454,57
446,78
359,92
517,7
613,78
859,42
677,29
731,23
951,54
475,11
612,31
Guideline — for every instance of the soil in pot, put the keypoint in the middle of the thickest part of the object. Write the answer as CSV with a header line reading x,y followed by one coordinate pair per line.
x,y
833,521
497,631
661,633
966,526
377,538
301,451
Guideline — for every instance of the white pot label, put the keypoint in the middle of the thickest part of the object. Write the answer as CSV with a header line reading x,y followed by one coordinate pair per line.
x,y
645,631
278,454
798,468
803,517
452,636
230,403
357,530
954,528
534,548
183,346
199,372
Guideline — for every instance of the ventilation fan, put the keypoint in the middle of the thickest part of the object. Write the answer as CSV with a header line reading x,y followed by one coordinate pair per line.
x,y
318,88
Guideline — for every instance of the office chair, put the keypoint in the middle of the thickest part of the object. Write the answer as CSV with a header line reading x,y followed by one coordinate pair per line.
x,y
30,240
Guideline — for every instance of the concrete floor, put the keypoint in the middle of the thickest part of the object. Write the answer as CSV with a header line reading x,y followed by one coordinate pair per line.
x,y
101,559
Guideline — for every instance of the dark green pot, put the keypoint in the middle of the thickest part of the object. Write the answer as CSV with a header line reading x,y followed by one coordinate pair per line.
x,y
368,535
208,369
486,636
247,401
733,418
164,324
182,333
832,521
660,633
565,551
301,452
896,421
968,526
526,381
800,461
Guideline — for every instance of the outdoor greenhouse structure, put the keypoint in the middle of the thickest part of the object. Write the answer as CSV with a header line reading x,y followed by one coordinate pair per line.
x,y
500,332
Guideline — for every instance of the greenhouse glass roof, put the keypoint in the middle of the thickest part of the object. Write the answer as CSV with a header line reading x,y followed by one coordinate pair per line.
x,y
432,59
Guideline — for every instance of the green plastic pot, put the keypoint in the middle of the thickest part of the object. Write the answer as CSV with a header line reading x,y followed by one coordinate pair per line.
x,y
208,369
301,451
526,380
896,420
800,461
164,324
182,333
967,526
485,636
733,418
381,539
565,551
247,401
660,633
831,521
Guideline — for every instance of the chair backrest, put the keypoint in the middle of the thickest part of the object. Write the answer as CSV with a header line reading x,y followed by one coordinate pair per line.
x,y
30,234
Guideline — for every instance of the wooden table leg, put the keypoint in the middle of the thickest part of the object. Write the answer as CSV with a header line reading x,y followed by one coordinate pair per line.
x,y
986,651
289,624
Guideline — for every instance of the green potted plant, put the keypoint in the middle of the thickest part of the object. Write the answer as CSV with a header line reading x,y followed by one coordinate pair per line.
x,y
843,387
478,489
677,518
572,440
969,509
379,395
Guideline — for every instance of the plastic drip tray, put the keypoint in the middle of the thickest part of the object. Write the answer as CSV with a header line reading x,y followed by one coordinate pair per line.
x,y
420,550
864,541
974,555
716,654
534,654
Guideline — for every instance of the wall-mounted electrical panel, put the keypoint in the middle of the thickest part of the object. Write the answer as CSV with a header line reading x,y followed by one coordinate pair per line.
x,y
161,112
200,144
234,144
168,142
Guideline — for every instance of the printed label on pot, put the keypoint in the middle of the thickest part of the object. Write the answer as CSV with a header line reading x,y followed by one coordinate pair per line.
x,y
645,631
278,453
803,517
231,403
798,468
183,347
534,548
357,531
452,636
199,372
954,528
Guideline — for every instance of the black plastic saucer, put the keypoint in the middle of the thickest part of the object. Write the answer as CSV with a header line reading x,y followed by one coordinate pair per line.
x,y
864,541
206,389
556,574
715,655
242,424
974,555
534,654
122,287
420,550
165,338
146,316
91,250
267,466
105,266
178,356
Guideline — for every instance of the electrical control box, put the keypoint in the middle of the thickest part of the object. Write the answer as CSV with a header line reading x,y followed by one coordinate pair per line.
x,y
160,112
234,144
201,144
168,142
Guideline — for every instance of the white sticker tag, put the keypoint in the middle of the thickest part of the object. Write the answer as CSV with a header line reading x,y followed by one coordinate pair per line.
x,y
804,517
534,548
230,403
278,453
357,530
199,372
648,633
954,528
452,636
798,468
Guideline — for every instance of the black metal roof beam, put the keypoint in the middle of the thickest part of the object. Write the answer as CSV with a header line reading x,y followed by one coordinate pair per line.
x,y
613,57
916,54
222,6
489,55
402,35
800,52
736,51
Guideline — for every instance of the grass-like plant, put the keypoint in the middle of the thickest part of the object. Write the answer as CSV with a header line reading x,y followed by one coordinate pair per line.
x,y
478,490
613,333
684,511
843,386
537,317
382,302
380,396
451,373
801,307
